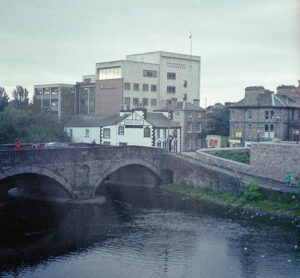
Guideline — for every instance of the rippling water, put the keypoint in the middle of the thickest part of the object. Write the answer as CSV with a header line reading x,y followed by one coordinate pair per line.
x,y
143,233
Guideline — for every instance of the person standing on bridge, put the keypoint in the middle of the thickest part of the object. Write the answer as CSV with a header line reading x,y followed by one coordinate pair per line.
x,y
288,178
18,145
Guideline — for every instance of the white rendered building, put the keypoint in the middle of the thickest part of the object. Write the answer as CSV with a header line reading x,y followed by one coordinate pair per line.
x,y
137,127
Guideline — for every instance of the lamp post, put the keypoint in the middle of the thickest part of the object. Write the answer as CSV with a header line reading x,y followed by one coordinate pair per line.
x,y
257,135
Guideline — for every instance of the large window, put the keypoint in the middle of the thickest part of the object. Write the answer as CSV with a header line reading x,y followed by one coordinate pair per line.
x,y
171,89
249,115
171,75
127,100
135,101
198,127
145,102
136,86
190,115
189,127
110,73
126,86
153,101
272,114
266,115
145,87
150,73
87,133
106,133
153,88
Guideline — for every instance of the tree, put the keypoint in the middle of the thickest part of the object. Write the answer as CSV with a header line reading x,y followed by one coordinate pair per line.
x,y
218,122
3,99
20,96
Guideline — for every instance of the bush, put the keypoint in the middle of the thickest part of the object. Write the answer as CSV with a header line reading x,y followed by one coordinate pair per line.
x,y
251,191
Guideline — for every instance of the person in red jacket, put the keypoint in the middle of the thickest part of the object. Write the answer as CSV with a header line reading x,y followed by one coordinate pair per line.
x,y
18,145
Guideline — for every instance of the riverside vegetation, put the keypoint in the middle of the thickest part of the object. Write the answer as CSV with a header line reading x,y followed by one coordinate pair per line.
x,y
242,157
250,196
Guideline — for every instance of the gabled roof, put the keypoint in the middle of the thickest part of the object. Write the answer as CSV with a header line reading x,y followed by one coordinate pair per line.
x,y
267,100
159,120
94,120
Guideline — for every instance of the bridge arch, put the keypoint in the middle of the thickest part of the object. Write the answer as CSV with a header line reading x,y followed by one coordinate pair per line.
x,y
119,165
21,170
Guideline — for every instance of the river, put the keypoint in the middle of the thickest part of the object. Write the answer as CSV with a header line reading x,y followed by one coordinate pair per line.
x,y
144,233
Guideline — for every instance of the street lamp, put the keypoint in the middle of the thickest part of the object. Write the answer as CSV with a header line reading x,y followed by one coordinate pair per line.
x,y
258,135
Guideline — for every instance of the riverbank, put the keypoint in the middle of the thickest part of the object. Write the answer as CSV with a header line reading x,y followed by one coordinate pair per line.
x,y
274,203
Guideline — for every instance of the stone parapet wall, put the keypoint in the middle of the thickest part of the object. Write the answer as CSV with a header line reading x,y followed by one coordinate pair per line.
x,y
274,160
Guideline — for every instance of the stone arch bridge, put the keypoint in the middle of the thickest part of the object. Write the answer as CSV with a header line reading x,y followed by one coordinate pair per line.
x,y
78,172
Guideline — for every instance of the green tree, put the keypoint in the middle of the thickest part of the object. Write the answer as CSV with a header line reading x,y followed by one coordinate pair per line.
x,y
218,122
3,98
20,96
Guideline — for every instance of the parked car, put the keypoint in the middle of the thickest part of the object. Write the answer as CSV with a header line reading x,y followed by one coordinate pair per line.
x,y
56,145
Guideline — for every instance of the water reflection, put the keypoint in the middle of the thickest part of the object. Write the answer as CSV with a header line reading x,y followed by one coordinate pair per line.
x,y
142,233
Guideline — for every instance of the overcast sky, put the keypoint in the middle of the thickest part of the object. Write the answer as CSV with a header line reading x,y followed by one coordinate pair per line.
x,y
241,42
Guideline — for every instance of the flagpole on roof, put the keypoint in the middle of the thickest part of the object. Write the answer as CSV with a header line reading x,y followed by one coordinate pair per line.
x,y
191,37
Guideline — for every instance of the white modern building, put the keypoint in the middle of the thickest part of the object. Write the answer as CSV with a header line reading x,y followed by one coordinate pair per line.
x,y
137,127
146,80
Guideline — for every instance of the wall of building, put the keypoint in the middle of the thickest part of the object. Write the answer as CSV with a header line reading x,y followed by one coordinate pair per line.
x,y
108,96
79,134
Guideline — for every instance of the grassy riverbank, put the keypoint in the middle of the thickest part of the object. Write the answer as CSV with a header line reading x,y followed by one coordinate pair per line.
x,y
251,197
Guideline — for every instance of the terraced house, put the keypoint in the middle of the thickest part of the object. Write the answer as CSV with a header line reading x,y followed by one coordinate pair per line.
x,y
262,116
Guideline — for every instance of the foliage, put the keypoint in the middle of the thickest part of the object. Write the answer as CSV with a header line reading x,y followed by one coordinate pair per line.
x,y
29,126
3,98
218,122
243,157
20,95
68,104
251,196
251,191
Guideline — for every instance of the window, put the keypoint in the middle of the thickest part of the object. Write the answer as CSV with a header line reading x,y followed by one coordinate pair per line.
x,y
122,144
175,133
199,115
159,144
54,91
127,100
145,102
198,143
127,86
106,143
165,133
136,86
46,91
110,73
189,143
135,101
87,133
171,75
272,114
46,103
150,73
266,127
121,130
249,126
106,133
198,127
171,89
145,87
153,88
232,114
158,133
146,132
266,115
249,115
54,103
177,114
71,132
190,115
153,101
272,128
189,127
92,105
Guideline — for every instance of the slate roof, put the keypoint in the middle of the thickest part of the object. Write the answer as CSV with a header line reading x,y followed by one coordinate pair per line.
x,y
183,105
267,100
94,120
159,120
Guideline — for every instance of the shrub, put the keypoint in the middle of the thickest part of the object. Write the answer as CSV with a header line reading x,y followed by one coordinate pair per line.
x,y
251,191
